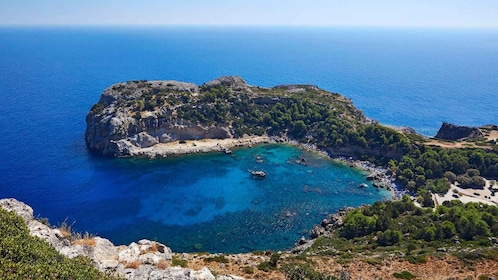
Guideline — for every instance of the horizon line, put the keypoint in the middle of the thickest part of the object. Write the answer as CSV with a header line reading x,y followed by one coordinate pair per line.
x,y
346,26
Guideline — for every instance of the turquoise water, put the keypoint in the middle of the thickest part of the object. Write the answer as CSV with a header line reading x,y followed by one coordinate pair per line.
x,y
49,79
212,203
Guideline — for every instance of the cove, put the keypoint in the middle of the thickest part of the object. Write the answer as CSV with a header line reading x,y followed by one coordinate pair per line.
x,y
211,203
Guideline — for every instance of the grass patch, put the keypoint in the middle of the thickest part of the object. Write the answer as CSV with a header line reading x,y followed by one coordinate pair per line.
x,y
133,264
404,275
416,259
300,271
220,259
248,269
374,262
175,261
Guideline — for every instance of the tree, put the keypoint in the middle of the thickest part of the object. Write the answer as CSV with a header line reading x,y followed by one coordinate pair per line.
x,y
357,224
450,176
449,229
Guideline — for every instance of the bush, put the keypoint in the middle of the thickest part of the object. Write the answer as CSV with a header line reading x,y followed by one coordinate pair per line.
x,y
175,261
23,256
220,259
248,269
304,271
404,275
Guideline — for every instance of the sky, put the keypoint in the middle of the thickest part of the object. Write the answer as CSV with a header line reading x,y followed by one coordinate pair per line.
x,y
383,13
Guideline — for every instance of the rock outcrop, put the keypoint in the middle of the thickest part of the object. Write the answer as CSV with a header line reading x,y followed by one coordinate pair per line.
x,y
133,116
456,132
140,114
142,260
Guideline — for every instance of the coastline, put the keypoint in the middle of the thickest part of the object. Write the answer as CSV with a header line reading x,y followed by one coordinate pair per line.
x,y
379,175
163,150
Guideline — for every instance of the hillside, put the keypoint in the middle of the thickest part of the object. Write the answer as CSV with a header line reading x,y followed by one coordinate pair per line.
x,y
136,115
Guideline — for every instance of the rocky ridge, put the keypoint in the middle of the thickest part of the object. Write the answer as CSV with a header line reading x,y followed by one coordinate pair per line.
x,y
144,259
457,132
136,115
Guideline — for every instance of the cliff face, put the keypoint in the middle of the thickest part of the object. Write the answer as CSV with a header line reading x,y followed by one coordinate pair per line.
x,y
455,132
140,114
121,120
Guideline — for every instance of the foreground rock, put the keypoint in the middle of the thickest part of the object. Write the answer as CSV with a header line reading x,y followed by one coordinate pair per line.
x,y
142,260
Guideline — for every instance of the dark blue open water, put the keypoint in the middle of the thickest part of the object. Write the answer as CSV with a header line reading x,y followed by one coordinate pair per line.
x,y
49,78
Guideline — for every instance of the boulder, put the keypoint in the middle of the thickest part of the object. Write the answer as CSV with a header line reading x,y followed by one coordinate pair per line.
x,y
146,252
48,234
21,209
144,140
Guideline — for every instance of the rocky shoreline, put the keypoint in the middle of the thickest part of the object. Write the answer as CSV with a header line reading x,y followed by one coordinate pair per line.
x,y
144,259
380,176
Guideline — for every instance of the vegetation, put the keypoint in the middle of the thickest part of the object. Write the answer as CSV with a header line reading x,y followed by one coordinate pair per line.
x,y
404,275
434,168
310,115
175,261
220,259
401,226
298,271
23,256
331,122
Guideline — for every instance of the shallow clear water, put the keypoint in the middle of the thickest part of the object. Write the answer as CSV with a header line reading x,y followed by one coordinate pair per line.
x,y
49,78
212,203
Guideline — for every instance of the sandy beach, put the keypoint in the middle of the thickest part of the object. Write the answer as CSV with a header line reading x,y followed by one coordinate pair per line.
x,y
199,146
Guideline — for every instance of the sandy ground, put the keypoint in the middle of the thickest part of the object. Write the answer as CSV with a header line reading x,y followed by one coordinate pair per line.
x,y
444,267
200,146
469,195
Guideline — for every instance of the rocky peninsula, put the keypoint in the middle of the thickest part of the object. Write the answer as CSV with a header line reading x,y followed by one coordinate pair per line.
x,y
145,118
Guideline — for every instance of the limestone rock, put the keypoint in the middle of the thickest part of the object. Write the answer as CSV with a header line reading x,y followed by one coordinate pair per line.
x,y
146,252
234,82
21,209
229,277
203,274
77,250
46,233
144,140
455,132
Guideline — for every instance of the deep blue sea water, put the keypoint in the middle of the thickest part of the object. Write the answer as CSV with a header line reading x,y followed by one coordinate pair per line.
x,y
50,77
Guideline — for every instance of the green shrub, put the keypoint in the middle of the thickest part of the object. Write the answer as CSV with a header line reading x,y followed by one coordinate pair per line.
x,y
220,259
265,266
23,256
248,269
304,271
175,261
404,275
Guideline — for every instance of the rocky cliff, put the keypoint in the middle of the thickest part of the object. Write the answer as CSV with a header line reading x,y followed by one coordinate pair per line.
x,y
456,132
135,115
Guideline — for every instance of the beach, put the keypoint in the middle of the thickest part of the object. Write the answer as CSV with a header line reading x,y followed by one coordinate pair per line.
x,y
199,146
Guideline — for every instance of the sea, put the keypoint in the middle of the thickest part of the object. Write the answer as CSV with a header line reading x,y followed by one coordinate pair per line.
x,y
51,76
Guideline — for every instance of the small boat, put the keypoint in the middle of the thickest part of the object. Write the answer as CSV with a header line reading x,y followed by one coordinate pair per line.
x,y
363,185
228,151
258,173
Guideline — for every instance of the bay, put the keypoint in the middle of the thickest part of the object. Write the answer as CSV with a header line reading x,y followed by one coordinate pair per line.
x,y
50,77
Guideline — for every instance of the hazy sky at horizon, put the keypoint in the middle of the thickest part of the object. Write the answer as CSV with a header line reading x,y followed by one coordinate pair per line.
x,y
395,13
